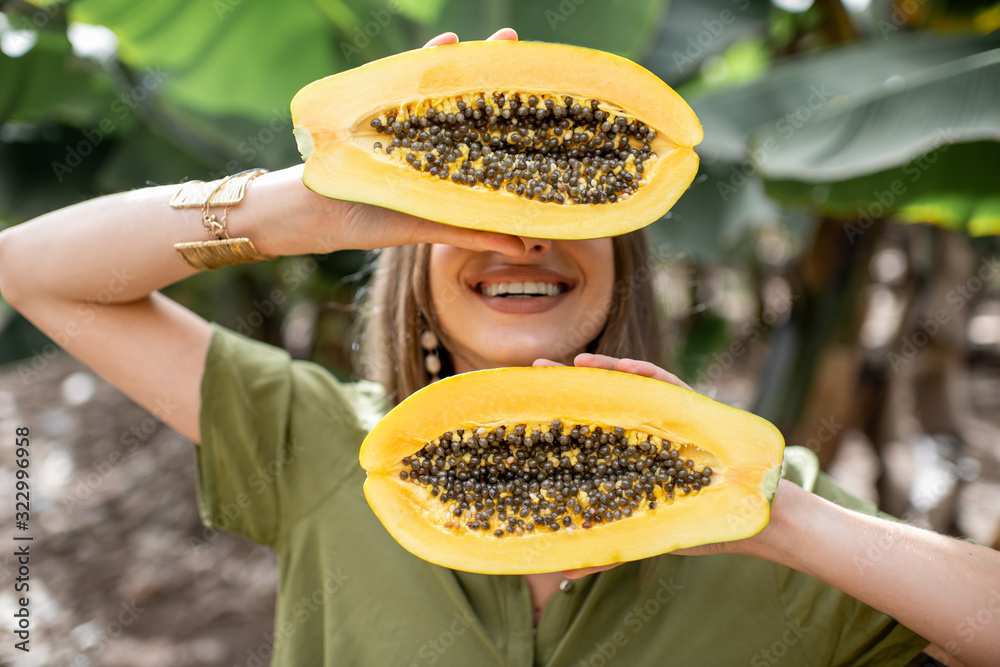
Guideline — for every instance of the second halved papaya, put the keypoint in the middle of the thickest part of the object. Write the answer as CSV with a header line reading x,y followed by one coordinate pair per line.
x,y
523,470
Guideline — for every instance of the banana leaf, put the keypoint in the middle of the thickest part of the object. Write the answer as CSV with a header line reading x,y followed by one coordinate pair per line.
x,y
727,198
923,147
692,32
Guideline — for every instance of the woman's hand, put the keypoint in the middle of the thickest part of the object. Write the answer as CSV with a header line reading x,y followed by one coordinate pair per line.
x,y
643,368
316,224
452,38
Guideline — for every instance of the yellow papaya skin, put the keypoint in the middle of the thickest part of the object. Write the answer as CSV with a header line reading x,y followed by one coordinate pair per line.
x,y
744,450
332,119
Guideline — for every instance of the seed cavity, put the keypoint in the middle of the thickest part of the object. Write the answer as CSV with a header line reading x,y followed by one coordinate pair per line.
x,y
515,480
539,146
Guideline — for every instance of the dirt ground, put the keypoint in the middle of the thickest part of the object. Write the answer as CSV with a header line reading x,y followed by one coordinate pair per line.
x,y
121,565
123,573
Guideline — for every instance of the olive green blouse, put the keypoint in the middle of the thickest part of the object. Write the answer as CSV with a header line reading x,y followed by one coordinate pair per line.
x,y
278,463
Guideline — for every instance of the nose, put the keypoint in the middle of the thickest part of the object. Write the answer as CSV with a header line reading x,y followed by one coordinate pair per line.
x,y
533,245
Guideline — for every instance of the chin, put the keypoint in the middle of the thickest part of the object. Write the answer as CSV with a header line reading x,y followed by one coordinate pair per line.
x,y
525,354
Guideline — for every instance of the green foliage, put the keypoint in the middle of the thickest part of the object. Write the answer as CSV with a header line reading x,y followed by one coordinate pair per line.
x,y
691,33
917,146
201,88
946,185
48,84
222,57
625,28
728,198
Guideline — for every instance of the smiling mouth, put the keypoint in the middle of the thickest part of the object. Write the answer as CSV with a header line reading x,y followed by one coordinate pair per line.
x,y
521,290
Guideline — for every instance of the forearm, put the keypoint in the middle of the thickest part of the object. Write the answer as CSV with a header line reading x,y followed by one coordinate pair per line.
x,y
944,589
119,248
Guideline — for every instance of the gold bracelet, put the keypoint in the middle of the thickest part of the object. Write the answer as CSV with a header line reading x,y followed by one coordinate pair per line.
x,y
219,253
223,250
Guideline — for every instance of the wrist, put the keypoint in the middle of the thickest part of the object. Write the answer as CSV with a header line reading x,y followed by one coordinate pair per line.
x,y
258,217
781,540
278,215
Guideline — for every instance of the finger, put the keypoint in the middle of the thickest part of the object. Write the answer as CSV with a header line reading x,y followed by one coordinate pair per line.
x,y
596,361
546,362
693,551
633,366
584,571
502,243
503,34
443,38
474,239
421,230
649,370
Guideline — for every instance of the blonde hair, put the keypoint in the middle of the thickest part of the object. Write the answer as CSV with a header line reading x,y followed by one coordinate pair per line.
x,y
397,307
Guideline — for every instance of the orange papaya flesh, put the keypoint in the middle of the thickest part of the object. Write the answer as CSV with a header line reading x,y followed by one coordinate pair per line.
x,y
521,470
526,138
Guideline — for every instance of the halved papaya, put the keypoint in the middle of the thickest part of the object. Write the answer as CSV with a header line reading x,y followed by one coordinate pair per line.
x,y
521,470
526,138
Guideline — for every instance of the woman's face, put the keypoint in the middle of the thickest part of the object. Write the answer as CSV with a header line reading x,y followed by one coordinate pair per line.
x,y
498,310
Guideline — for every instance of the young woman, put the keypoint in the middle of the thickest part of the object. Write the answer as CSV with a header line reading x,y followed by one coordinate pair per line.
x,y
278,442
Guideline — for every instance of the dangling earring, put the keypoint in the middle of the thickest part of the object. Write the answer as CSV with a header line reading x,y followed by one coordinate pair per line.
x,y
432,362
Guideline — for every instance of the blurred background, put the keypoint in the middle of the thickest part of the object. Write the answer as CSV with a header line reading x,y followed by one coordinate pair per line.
x,y
832,268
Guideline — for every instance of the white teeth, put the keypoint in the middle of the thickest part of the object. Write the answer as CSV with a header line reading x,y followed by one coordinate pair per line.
x,y
526,288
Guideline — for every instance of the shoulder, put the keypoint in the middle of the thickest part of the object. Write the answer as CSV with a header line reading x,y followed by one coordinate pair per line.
x,y
269,375
278,435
